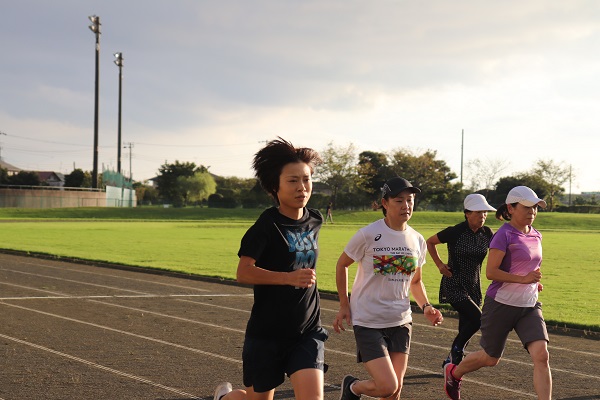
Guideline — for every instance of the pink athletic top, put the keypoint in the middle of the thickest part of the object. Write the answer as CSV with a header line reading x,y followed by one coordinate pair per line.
x,y
523,255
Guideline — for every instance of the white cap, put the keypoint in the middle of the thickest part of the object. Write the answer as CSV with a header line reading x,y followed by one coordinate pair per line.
x,y
476,202
525,196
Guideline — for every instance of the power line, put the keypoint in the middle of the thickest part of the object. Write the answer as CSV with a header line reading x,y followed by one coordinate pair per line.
x,y
195,145
140,143
47,141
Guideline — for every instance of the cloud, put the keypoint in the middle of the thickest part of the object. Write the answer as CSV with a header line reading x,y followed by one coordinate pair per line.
x,y
235,73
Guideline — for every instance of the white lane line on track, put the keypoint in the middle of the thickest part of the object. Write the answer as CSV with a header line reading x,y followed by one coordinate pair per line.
x,y
31,288
242,331
101,367
73,281
215,306
116,296
151,339
220,356
141,310
114,276
59,295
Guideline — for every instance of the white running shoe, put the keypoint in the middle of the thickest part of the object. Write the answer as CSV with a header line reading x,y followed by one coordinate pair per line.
x,y
222,389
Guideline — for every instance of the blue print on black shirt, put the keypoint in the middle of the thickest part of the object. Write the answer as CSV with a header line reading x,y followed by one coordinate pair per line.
x,y
304,244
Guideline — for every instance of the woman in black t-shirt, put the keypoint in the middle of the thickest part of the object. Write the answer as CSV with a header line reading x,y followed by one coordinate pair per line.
x,y
278,255
468,244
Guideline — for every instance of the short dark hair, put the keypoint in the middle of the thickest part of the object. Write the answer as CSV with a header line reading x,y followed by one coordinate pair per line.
x,y
270,160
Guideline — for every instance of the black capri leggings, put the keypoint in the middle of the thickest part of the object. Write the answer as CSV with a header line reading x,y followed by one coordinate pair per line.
x,y
469,321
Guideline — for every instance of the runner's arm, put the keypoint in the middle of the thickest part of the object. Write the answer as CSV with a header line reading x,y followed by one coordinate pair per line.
x,y
417,289
341,281
494,273
249,273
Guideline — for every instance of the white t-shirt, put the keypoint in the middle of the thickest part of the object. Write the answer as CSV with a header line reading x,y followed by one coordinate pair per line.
x,y
387,260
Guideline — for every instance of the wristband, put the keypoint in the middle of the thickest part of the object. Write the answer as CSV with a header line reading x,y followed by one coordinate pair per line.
x,y
425,305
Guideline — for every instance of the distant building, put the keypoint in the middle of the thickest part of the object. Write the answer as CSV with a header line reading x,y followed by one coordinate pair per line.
x,y
321,188
12,170
51,178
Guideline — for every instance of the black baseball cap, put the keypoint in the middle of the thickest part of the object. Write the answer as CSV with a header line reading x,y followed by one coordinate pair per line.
x,y
395,185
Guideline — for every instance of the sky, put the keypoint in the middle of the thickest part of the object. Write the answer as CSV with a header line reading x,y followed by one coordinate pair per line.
x,y
208,82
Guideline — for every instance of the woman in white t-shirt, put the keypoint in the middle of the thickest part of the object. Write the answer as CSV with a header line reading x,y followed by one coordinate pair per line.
x,y
513,265
390,255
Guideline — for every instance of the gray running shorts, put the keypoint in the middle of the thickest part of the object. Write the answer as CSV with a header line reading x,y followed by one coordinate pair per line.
x,y
498,320
372,343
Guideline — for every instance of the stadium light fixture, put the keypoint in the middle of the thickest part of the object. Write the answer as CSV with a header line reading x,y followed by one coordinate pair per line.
x,y
95,27
119,63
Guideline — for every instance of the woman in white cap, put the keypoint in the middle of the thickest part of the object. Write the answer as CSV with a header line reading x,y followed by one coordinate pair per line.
x,y
513,266
468,244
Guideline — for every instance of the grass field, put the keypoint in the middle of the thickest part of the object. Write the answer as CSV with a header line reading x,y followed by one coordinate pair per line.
x,y
205,241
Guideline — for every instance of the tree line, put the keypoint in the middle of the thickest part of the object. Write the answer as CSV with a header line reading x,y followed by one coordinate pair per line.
x,y
351,180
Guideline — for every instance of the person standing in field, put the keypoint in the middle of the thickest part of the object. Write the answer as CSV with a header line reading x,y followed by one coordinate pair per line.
x,y
329,215
278,255
468,244
511,300
390,255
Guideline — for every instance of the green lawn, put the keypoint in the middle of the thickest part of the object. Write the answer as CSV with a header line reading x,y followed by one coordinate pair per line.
x,y
205,241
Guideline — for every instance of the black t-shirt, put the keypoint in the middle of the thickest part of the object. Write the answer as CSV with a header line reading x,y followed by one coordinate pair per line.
x,y
279,243
466,251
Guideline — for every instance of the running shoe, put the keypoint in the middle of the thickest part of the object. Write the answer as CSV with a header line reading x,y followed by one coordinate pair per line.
x,y
221,390
451,384
345,392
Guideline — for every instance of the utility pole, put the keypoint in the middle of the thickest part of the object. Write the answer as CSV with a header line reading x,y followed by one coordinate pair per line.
x,y
570,176
1,133
130,146
462,146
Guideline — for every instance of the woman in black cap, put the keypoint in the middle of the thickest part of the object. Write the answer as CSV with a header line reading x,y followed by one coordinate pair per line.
x,y
390,255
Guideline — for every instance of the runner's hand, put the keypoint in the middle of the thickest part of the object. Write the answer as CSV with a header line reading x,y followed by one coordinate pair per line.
x,y
303,278
445,270
532,277
338,322
434,316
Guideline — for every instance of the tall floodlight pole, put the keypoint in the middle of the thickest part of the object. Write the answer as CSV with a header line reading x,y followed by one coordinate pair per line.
x,y
95,27
119,62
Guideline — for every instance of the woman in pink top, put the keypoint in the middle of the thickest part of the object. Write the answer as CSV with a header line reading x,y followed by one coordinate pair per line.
x,y
513,265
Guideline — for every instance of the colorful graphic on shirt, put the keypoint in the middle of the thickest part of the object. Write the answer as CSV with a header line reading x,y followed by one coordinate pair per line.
x,y
394,264
304,244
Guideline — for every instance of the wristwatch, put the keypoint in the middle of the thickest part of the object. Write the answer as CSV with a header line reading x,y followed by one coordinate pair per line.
x,y
425,305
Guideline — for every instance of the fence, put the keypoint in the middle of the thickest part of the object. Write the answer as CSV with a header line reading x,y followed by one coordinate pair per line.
x,y
59,197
